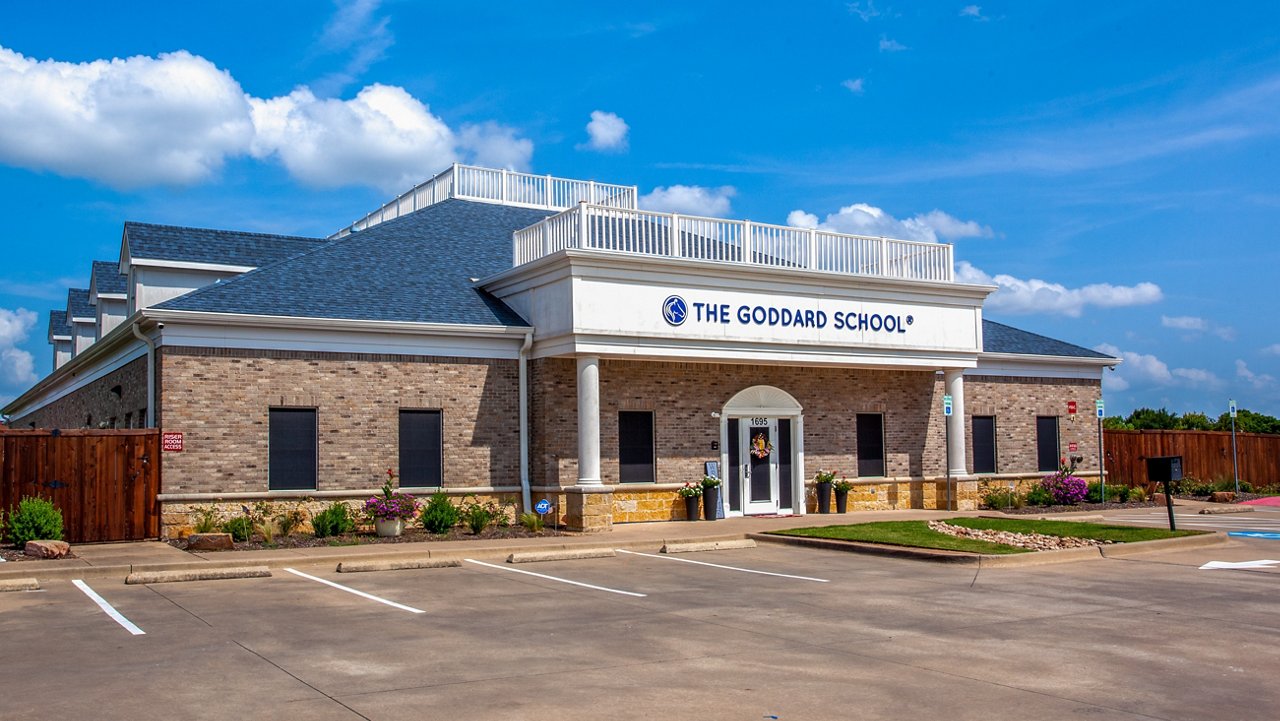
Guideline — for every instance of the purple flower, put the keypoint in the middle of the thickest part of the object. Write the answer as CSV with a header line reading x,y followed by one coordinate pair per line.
x,y
1066,489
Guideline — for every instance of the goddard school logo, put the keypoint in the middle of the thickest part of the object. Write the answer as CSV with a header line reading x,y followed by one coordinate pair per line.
x,y
675,310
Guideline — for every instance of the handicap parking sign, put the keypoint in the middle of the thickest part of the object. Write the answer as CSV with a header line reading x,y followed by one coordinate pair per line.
x,y
1256,534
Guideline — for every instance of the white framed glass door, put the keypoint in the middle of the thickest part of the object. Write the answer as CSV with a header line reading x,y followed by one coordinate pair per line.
x,y
757,441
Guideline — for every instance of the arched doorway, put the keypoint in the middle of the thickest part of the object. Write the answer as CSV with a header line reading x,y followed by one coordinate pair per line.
x,y
762,452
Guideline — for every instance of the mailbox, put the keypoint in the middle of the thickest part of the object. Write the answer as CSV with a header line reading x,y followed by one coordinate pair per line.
x,y
1164,468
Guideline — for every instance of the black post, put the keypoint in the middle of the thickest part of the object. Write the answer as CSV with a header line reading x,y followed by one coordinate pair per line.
x,y
1168,502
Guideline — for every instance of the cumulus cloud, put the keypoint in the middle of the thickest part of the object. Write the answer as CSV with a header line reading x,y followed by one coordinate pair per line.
x,y
17,367
1273,349
1258,381
891,46
853,85
606,132
1015,295
175,119
973,11
863,219
690,199
1144,369
1195,325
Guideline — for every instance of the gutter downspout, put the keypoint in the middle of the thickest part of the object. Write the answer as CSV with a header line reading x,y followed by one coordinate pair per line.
x,y
525,495
151,374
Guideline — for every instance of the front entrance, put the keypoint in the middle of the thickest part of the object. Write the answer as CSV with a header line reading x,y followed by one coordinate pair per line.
x,y
763,453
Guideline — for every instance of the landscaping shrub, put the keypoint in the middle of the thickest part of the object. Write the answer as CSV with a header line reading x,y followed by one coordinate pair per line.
x,y
333,521
1192,486
1094,494
35,519
1002,498
531,521
1229,485
1039,496
1138,495
440,514
1065,489
240,528
206,519
291,519
1117,493
477,517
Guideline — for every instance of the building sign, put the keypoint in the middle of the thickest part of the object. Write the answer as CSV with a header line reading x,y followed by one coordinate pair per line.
x,y
171,441
1071,407
784,316
1073,447
946,406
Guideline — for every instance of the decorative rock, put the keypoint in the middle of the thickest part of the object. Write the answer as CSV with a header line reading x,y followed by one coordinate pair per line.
x,y
47,549
1222,497
1034,541
1157,498
210,542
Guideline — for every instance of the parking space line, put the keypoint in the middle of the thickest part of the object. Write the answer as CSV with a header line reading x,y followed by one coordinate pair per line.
x,y
361,594
728,568
108,608
561,580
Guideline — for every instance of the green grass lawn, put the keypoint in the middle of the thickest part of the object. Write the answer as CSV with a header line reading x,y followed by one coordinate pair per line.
x,y
917,533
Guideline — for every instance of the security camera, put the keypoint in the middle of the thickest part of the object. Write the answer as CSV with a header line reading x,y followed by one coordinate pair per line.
x,y
161,327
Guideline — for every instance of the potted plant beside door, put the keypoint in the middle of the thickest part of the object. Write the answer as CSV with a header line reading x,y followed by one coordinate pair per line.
x,y
692,495
822,481
710,497
390,510
842,488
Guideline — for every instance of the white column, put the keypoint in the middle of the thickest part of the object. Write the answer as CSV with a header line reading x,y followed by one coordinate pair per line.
x,y
798,504
589,421
955,424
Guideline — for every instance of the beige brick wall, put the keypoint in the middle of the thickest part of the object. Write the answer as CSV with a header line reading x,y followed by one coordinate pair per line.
x,y
98,402
220,399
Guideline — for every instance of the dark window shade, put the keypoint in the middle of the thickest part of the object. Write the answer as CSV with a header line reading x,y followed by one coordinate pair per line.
x,y
635,447
292,449
1047,443
870,444
735,468
984,444
421,449
784,463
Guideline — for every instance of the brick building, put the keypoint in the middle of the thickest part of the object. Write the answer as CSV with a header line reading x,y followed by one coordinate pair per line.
x,y
523,337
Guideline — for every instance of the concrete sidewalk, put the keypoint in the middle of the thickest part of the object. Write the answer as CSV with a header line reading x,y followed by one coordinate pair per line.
x,y
118,560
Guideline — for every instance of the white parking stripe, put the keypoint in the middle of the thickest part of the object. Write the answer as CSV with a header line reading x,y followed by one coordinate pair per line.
x,y
716,565
108,608
561,580
361,594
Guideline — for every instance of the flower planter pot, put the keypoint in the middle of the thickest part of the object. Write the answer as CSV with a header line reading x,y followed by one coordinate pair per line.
x,y
842,501
691,504
710,503
389,527
824,497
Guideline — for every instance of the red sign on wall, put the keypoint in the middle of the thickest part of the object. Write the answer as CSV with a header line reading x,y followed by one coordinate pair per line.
x,y
1073,447
1071,407
171,441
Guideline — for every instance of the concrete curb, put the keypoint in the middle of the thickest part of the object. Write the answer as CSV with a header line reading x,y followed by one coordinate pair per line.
x,y
1123,550
708,546
19,584
1211,510
396,565
210,574
565,555
873,549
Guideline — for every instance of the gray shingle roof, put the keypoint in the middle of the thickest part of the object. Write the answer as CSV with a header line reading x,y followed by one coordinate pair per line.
x,y
107,278
78,305
58,324
1001,338
416,268
202,245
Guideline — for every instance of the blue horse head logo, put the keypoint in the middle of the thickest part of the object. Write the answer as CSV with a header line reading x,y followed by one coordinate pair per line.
x,y
675,310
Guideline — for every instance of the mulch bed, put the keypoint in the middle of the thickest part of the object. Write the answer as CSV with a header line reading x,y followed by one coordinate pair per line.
x,y
1031,510
9,553
411,535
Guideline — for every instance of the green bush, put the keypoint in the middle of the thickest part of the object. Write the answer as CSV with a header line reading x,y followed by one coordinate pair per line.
x,y
1039,496
477,518
1192,486
206,519
1094,494
35,519
240,528
333,521
440,514
531,521
1002,498
1229,485
1117,493
1138,495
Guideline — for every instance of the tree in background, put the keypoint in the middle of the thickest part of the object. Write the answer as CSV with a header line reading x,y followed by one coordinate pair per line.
x,y
1144,419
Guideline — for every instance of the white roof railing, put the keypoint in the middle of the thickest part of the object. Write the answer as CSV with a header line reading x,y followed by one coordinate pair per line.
x,y
506,187
670,235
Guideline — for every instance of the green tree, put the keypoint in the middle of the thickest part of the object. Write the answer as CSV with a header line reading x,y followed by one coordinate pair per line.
x,y
1116,423
1195,421
1249,422
1149,419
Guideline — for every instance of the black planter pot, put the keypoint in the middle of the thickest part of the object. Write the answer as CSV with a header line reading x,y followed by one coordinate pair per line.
x,y
842,501
691,504
710,503
824,497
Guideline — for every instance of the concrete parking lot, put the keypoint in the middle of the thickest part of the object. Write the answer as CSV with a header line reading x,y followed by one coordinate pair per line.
x,y
834,635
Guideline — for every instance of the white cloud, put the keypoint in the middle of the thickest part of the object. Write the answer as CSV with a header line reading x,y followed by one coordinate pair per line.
x,y
690,199
1273,349
356,29
172,119
866,10
606,132
1197,376
175,119
863,219
1197,325
1016,295
1259,381
1147,370
17,367
853,85
891,46
973,11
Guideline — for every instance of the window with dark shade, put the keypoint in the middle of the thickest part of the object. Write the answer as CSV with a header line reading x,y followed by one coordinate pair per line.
x,y
984,444
870,430
292,449
635,447
1047,443
421,449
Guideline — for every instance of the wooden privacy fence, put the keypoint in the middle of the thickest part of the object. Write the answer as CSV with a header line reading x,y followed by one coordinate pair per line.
x,y
1206,455
104,482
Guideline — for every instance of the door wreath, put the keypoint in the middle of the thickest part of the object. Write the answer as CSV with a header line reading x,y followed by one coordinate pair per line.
x,y
760,446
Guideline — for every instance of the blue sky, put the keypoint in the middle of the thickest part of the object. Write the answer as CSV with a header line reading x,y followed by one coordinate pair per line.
x,y
1114,169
